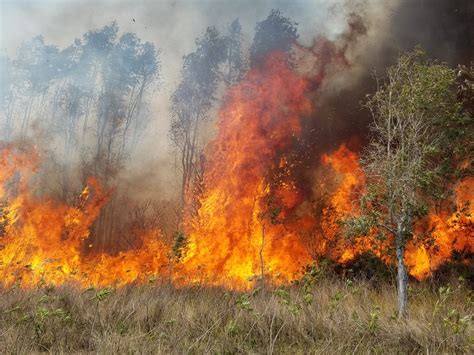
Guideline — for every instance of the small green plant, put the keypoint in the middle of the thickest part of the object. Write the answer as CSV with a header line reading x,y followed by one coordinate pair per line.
x,y
309,278
336,300
285,299
102,294
470,298
243,302
282,295
232,328
41,316
444,292
122,327
308,297
374,318
99,296
454,322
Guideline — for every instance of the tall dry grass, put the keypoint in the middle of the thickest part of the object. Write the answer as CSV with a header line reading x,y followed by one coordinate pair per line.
x,y
330,316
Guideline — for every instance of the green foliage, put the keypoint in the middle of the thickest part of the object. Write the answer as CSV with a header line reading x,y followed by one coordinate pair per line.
x,y
243,302
374,318
235,61
43,314
103,294
455,322
232,328
275,33
357,226
284,298
274,213
282,295
313,273
336,301
453,319
272,210
420,135
444,293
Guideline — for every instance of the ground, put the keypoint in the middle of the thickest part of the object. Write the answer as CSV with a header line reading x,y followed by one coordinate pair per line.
x,y
327,315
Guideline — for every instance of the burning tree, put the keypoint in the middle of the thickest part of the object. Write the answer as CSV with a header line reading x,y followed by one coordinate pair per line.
x,y
420,145
192,100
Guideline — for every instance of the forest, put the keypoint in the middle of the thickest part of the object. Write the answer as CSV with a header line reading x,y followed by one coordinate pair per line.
x,y
282,188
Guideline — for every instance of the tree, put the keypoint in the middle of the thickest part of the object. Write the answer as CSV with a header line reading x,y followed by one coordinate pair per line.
x,y
420,134
127,68
38,65
234,69
275,33
7,98
94,90
192,100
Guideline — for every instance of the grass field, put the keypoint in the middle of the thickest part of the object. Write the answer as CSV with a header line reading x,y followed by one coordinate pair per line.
x,y
330,315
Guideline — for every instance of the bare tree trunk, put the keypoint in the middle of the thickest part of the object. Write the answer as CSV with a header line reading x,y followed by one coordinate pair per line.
x,y
26,117
8,126
402,277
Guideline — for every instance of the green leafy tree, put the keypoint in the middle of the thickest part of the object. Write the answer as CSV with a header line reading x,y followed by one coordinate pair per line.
x,y
419,135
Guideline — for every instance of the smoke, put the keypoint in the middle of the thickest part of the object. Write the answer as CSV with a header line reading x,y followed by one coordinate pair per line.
x,y
443,27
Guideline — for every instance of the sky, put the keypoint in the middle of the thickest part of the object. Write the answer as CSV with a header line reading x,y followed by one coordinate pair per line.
x,y
171,25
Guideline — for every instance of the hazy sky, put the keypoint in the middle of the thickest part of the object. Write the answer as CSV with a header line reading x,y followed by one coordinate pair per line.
x,y
171,25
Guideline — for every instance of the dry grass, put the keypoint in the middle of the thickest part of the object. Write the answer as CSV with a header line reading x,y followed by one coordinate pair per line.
x,y
329,316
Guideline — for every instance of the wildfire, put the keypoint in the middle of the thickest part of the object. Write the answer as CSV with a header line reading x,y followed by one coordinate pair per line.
x,y
253,223
450,232
41,240
237,236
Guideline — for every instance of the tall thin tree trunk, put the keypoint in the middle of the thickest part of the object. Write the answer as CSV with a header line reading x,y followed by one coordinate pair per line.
x,y
26,117
402,277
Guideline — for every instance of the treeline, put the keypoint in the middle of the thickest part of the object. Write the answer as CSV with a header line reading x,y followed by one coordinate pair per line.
x,y
87,107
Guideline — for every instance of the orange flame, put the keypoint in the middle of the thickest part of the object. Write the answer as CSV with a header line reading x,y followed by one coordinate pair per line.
x,y
41,239
253,221
449,232
233,240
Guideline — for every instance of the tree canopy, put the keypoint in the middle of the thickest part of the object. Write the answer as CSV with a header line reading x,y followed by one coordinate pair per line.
x,y
421,143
